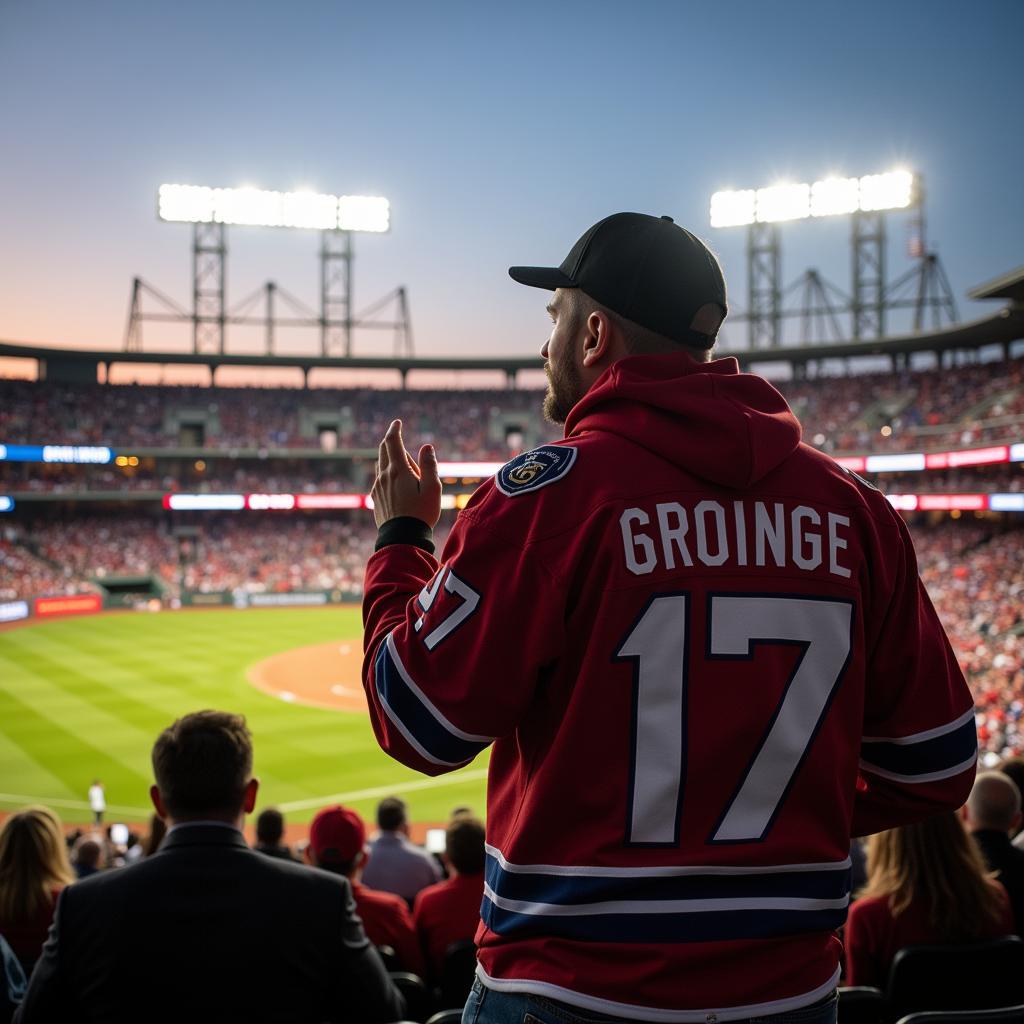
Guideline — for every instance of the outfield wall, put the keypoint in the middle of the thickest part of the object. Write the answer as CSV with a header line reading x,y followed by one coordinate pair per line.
x,y
20,611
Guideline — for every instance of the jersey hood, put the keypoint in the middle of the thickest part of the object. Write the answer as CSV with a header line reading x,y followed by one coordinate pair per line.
x,y
709,419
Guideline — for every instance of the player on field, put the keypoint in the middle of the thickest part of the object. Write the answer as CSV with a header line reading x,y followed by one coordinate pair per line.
x,y
700,649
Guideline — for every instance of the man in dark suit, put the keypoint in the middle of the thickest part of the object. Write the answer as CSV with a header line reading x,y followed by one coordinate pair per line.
x,y
992,814
207,929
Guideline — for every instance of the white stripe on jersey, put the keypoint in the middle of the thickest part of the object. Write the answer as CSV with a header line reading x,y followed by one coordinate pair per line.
x,y
628,1011
662,906
671,871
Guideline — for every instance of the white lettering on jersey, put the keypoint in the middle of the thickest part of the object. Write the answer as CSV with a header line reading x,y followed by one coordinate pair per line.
x,y
813,540
631,542
673,535
721,541
836,544
786,539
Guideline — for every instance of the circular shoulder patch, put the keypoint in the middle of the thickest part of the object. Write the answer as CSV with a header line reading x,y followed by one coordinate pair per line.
x,y
534,469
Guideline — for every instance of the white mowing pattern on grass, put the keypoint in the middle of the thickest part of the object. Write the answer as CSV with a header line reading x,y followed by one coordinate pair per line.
x,y
392,790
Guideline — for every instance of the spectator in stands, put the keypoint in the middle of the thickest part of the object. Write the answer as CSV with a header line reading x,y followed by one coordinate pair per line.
x,y
34,867
927,885
1013,767
396,864
337,843
270,832
87,856
196,931
992,814
449,911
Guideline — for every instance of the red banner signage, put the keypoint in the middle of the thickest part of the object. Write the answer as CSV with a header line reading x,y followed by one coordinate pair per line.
x,y
76,604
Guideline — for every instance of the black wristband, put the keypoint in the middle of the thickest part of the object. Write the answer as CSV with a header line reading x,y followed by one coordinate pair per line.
x,y
405,530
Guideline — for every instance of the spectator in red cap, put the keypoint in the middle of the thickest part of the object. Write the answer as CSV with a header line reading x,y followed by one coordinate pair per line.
x,y
337,843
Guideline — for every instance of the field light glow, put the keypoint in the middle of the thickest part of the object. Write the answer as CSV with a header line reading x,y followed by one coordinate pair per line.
x,y
834,196
826,198
196,204
783,202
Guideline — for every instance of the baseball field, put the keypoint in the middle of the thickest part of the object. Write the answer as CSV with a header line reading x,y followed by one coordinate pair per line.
x,y
84,698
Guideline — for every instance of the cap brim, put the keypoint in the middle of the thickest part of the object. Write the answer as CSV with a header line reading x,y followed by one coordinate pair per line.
x,y
541,277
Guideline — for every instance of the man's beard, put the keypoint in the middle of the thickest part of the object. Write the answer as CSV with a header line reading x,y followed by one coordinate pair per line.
x,y
565,389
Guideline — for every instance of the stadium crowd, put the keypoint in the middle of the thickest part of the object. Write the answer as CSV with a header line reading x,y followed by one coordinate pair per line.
x,y
473,424
421,910
257,553
909,410
976,581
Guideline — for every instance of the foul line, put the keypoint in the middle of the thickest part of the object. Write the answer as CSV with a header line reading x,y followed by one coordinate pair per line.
x,y
401,787
75,805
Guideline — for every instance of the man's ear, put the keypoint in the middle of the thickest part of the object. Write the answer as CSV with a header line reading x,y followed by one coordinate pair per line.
x,y
158,801
597,340
251,789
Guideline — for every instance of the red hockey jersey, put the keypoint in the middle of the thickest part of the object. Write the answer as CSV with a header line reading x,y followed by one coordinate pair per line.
x,y
704,658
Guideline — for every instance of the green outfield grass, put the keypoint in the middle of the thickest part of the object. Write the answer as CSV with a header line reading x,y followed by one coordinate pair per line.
x,y
84,698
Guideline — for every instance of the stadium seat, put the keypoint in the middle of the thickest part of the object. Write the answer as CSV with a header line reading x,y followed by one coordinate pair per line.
x,y
457,973
446,1017
980,976
861,1004
1007,1015
418,1004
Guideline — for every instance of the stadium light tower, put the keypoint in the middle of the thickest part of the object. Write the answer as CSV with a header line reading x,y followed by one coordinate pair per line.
x,y
865,200
211,210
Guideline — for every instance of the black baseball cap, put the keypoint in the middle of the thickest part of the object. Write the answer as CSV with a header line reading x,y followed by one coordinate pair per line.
x,y
647,269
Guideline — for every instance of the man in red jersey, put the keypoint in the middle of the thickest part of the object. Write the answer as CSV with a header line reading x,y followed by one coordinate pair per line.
x,y
700,648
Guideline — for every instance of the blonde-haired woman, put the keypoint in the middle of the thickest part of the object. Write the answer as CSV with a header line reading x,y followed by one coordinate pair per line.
x,y
34,867
927,885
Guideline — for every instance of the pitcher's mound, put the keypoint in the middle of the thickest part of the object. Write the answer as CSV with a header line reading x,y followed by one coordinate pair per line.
x,y
322,675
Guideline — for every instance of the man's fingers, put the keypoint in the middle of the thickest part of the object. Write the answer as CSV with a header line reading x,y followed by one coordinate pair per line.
x,y
428,465
393,445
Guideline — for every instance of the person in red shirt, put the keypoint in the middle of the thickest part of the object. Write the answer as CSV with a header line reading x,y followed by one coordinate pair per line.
x,y
34,867
449,911
337,843
709,635
927,885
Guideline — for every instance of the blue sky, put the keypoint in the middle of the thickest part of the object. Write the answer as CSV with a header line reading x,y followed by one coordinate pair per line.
x,y
499,132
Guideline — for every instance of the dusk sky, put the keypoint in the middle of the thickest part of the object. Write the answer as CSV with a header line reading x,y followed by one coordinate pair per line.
x,y
498,132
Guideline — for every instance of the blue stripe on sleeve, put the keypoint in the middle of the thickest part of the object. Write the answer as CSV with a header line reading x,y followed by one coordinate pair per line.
x,y
415,720
927,757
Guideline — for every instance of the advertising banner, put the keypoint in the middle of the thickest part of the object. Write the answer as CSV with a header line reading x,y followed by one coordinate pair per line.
x,y
75,604
11,611
210,599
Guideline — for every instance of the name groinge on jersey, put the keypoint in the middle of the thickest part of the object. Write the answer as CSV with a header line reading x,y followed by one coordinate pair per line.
x,y
534,469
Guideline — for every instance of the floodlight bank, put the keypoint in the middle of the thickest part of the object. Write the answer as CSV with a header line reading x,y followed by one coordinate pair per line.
x,y
199,204
826,198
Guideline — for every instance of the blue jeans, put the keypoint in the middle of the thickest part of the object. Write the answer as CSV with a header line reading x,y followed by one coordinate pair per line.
x,y
486,1006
